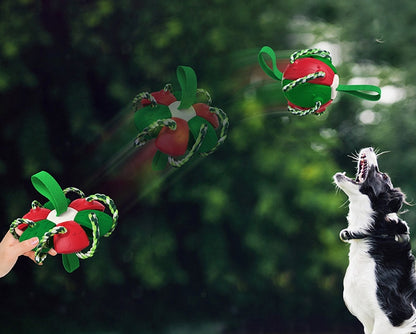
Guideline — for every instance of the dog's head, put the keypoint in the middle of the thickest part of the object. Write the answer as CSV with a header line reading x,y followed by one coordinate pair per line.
x,y
371,183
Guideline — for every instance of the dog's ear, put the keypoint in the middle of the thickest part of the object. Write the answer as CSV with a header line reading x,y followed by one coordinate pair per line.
x,y
376,187
374,184
396,200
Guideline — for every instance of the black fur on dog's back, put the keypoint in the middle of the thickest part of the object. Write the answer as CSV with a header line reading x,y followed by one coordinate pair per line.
x,y
395,264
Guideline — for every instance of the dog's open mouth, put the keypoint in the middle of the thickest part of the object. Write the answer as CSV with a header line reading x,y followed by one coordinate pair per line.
x,y
362,169
366,161
367,158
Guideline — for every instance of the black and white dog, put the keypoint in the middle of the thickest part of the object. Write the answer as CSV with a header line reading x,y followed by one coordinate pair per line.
x,y
380,281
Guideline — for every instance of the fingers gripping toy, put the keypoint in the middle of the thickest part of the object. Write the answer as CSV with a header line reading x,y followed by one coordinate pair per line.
x,y
72,228
181,126
310,82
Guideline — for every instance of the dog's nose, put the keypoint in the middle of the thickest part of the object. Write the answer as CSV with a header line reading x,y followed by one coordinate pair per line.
x,y
339,176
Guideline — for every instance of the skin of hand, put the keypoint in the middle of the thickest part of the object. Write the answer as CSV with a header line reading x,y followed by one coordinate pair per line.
x,y
11,248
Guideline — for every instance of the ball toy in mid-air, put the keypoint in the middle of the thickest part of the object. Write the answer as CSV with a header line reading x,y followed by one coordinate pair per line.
x,y
310,82
72,228
180,125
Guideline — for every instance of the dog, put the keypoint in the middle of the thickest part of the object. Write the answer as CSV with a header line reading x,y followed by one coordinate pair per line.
x,y
380,281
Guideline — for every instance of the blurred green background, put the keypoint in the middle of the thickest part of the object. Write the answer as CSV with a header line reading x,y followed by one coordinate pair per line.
x,y
244,241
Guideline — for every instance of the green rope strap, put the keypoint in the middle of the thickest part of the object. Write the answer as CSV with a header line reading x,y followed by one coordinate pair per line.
x,y
223,118
18,222
208,98
77,191
111,206
168,88
303,80
141,96
40,253
310,52
144,136
95,236
35,204
198,142
300,112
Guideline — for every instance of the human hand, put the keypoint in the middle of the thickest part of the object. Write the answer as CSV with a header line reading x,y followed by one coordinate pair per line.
x,y
11,248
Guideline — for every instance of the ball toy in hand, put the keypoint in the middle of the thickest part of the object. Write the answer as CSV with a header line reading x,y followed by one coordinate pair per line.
x,y
72,228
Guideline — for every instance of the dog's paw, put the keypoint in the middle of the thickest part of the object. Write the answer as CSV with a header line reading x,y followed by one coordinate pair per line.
x,y
344,235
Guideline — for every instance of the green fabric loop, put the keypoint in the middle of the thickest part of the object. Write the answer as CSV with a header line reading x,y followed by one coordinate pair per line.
x,y
47,186
368,92
273,72
187,81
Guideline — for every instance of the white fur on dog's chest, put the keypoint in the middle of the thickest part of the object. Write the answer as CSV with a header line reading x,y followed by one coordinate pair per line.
x,y
360,287
360,284
360,294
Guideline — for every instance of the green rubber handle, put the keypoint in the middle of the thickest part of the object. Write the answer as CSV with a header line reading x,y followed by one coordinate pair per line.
x,y
273,72
367,92
47,186
188,82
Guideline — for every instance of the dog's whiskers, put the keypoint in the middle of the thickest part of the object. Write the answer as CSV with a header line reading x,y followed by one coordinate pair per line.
x,y
380,153
354,156
345,204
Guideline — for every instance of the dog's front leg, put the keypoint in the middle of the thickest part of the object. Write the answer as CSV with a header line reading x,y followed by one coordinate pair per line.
x,y
368,330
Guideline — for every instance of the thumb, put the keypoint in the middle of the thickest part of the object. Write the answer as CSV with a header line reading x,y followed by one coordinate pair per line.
x,y
27,245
